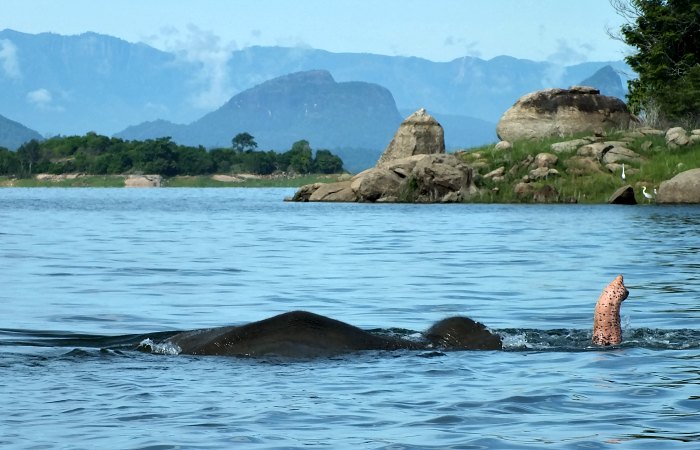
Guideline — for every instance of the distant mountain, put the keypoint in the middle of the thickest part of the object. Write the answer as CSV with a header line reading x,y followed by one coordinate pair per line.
x,y
466,86
354,119
607,81
14,134
91,82
74,84
152,130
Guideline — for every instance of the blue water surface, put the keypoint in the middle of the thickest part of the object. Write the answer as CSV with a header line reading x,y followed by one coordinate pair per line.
x,y
80,268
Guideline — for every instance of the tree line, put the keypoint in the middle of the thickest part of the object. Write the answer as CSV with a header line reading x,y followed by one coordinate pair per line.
x,y
666,37
103,155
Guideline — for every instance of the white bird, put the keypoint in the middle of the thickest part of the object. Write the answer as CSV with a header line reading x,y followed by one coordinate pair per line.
x,y
647,195
655,193
623,171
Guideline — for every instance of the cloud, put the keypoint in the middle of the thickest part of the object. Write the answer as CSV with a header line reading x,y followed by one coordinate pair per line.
x,y
43,100
467,48
205,49
40,97
8,59
567,54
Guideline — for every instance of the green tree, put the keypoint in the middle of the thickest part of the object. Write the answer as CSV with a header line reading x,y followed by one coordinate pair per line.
x,y
327,162
300,157
193,161
29,154
666,35
9,163
223,159
262,163
243,142
155,156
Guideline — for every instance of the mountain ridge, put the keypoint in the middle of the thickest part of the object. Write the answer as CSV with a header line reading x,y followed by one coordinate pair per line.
x,y
60,84
307,105
14,134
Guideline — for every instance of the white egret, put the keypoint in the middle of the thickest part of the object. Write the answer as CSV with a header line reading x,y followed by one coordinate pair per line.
x,y
623,171
647,195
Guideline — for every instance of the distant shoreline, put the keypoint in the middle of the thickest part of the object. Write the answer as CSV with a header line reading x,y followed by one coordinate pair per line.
x,y
242,180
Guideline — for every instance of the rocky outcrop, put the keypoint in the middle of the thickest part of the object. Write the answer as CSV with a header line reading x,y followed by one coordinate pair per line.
x,y
562,112
419,134
683,188
143,181
677,137
413,168
503,145
439,178
623,196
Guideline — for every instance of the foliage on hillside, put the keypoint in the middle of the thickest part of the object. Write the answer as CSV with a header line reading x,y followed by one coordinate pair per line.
x,y
102,155
666,36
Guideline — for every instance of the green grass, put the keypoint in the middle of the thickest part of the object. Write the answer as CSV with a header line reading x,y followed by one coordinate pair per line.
x,y
658,163
107,181
110,181
206,181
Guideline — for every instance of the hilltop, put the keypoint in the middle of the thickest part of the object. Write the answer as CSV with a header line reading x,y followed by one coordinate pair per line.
x,y
355,118
66,85
14,134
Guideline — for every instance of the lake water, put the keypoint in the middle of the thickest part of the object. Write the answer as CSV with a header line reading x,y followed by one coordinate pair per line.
x,y
86,274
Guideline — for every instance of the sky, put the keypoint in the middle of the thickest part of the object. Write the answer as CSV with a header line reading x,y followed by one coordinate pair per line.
x,y
559,31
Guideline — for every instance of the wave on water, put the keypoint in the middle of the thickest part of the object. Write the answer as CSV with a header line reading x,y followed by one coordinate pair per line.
x,y
514,339
162,348
571,340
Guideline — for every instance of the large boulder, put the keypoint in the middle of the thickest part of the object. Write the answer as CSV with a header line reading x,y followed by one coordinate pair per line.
x,y
413,168
676,137
377,184
143,181
441,178
683,188
419,134
333,192
562,112
623,196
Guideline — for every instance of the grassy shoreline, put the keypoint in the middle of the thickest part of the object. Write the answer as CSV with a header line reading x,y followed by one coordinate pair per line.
x,y
656,162
575,183
203,181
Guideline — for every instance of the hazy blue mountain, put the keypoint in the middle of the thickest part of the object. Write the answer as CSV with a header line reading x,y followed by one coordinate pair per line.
x,y
14,134
152,130
74,84
608,81
354,119
465,86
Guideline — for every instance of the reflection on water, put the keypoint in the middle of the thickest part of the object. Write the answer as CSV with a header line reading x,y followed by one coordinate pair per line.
x,y
89,273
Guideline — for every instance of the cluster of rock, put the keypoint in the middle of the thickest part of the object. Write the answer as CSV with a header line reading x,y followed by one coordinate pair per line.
x,y
539,167
593,155
142,181
562,112
55,178
683,188
678,137
413,168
